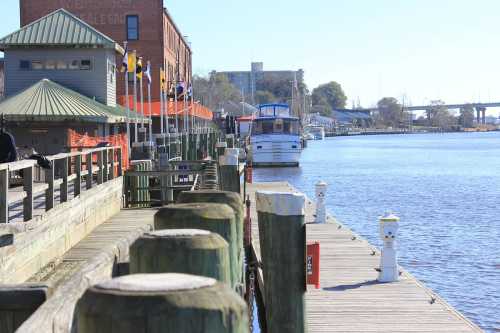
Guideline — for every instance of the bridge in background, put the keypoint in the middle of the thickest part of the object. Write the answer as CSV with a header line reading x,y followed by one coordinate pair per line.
x,y
479,107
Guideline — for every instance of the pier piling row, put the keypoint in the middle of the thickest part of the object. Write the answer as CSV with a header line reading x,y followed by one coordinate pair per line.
x,y
161,303
189,251
217,218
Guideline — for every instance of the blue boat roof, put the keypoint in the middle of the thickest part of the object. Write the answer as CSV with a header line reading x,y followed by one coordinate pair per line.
x,y
274,117
274,104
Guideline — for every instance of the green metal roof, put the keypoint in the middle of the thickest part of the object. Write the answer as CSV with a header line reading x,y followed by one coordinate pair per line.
x,y
59,28
49,101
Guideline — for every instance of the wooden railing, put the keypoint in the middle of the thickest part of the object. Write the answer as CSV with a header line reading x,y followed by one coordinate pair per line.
x,y
94,166
162,185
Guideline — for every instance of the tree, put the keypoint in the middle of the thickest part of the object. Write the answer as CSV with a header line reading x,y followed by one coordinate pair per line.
x,y
439,116
215,90
466,118
264,96
331,93
322,107
390,112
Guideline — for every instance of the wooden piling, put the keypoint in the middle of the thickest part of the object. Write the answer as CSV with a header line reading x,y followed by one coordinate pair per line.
x,y
283,246
166,303
231,199
218,218
190,251
229,173
220,147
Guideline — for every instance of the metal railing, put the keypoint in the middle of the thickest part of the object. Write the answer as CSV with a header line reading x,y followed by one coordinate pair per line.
x,y
94,166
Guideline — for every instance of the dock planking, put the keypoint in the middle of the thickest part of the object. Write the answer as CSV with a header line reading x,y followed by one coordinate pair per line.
x,y
350,298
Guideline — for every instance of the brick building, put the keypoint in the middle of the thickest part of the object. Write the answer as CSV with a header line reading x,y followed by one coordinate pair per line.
x,y
145,24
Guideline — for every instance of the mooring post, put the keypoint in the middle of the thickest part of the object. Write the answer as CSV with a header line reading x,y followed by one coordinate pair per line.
x,y
4,194
283,246
222,197
389,225
190,251
229,173
160,303
321,187
218,218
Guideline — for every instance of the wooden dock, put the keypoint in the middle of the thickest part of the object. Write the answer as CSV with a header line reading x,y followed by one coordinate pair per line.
x,y
350,298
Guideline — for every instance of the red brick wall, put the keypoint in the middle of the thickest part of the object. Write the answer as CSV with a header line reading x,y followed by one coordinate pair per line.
x,y
109,16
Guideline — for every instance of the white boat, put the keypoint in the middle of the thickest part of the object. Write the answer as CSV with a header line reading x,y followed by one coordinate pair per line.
x,y
317,132
275,137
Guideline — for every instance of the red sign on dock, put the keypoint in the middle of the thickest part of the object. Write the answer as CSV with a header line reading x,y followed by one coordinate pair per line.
x,y
312,264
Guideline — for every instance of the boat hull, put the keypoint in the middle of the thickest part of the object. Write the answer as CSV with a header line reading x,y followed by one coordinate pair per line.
x,y
275,150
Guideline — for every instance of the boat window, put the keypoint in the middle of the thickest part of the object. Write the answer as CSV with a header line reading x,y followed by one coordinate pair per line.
x,y
278,126
267,127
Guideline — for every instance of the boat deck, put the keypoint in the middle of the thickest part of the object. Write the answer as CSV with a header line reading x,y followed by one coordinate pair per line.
x,y
350,298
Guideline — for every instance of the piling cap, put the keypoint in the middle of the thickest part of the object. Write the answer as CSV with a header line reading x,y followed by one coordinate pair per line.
x,y
281,203
232,151
172,233
221,145
154,283
389,217
321,183
228,160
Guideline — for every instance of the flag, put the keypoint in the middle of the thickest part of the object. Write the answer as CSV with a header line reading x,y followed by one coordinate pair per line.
x,y
131,62
162,79
148,72
180,89
190,90
138,68
125,60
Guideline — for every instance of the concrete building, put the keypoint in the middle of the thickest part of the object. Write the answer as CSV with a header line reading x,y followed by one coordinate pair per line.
x,y
249,81
2,78
146,25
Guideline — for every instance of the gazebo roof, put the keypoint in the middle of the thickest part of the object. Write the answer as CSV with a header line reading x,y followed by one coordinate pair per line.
x,y
59,29
51,102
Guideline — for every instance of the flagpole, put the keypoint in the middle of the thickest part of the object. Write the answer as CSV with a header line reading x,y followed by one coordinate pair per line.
x,y
161,104
135,99
149,102
165,105
127,106
142,106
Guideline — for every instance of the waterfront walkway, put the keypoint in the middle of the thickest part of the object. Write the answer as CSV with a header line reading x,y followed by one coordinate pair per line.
x,y
350,298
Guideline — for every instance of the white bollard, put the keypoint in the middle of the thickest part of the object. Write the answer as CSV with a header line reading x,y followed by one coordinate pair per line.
x,y
321,187
389,225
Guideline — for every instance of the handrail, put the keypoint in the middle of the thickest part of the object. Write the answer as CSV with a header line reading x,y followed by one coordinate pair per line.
x,y
65,168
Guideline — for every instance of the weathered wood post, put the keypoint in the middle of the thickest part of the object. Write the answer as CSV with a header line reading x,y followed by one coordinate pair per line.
x,y
63,188
190,251
218,218
49,193
4,193
88,163
78,172
229,173
161,303
28,189
100,167
232,200
105,163
220,147
282,236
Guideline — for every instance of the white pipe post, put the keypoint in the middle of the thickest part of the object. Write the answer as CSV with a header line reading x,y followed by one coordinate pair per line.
x,y
149,108
389,225
135,99
127,106
321,187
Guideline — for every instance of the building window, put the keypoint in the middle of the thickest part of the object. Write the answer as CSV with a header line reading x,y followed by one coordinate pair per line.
x,y
132,27
85,65
36,64
61,64
25,65
50,64
75,64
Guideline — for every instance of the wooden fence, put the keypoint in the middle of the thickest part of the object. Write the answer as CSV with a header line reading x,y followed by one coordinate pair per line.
x,y
93,166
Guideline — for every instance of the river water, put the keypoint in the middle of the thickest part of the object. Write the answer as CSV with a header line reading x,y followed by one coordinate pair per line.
x,y
444,187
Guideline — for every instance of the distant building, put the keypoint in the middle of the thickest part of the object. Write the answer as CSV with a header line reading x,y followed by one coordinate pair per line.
x,y
249,81
146,25
2,86
60,85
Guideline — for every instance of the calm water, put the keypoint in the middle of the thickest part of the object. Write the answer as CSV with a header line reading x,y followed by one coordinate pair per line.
x,y
446,190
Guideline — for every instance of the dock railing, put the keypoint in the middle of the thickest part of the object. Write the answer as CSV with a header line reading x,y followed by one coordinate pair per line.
x,y
67,170
159,187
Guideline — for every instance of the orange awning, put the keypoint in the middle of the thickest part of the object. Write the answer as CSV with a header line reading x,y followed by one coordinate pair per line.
x,y
199,111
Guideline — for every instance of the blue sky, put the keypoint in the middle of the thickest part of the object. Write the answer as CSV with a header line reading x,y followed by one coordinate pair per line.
x,y
423,49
